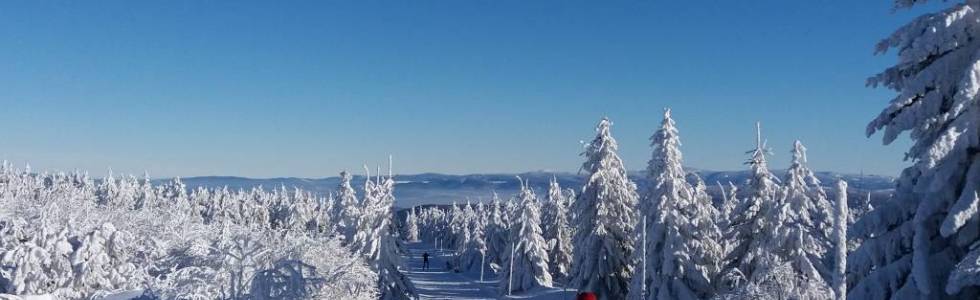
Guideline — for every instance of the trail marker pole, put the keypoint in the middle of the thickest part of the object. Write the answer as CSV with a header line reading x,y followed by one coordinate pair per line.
x,y
643,279
510,278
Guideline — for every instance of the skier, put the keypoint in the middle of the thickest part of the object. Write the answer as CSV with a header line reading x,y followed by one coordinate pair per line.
x,y
425,261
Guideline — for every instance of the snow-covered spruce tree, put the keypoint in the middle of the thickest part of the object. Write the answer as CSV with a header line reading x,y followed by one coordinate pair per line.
x,y
683,253
210,205
127,191
570,197
214,204
324,214
809,208
371,216
426,217
528,267
496,234
107,190
377,239
605,216
840,242
302,210
701,193
252,209
348,213
470,221
511,209
557,231
784,244
145,194
549,208
921,244
482,215
174,193
278,208
432,224
476,248
727,206
789,241
411,226
457,238
745,235
394,284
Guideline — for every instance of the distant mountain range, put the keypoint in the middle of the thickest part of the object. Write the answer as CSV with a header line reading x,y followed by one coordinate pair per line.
x,y
432,188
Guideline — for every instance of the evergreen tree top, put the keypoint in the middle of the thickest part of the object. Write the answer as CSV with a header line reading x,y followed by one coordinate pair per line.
x,y
757,159
601,152
799,176
666,161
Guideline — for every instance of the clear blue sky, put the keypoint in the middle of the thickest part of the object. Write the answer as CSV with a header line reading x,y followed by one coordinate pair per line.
x,y
307,88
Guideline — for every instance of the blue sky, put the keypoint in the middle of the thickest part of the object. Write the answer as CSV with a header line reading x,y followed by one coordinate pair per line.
x,y
307,88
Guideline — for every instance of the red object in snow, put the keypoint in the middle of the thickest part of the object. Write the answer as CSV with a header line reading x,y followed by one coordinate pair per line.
x,y
586,296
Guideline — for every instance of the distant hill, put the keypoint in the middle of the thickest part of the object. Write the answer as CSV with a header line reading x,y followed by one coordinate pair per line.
x,y
432,188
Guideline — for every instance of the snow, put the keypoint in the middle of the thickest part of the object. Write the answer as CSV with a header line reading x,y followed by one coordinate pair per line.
x,y
441,283
126,295
27,297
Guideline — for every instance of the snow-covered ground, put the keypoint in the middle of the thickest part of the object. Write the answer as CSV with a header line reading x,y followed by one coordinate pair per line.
x,y
26,297
440,283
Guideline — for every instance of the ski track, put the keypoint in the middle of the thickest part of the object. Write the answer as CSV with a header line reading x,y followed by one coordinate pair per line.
x,y
440,283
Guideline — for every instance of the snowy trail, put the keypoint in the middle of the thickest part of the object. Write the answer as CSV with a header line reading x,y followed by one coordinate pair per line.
x,y
439,283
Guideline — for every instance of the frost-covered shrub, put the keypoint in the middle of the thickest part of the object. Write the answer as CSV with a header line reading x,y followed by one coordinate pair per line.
x,y
244,264
780,281
103,260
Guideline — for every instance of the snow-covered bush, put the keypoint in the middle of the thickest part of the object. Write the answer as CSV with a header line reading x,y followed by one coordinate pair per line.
x,y
780,281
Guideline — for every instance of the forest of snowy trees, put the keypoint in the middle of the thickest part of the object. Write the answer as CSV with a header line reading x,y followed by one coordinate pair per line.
x,y
73,237
774,236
